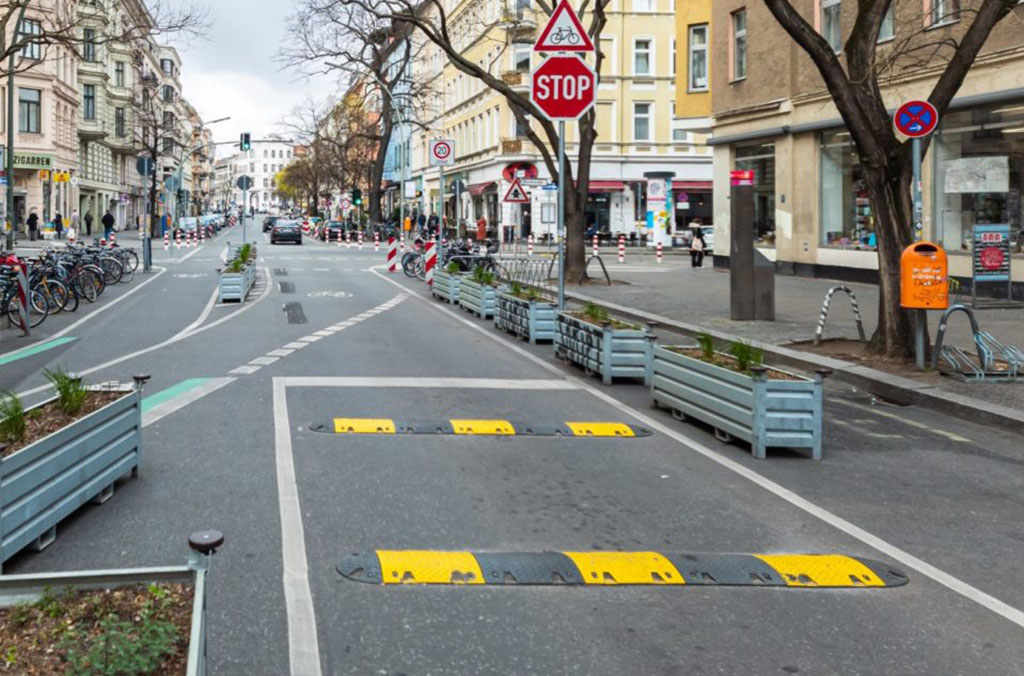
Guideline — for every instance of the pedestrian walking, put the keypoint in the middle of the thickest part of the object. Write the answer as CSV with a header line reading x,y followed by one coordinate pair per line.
x,y
108,224
697,245
58,226
88,224
33,225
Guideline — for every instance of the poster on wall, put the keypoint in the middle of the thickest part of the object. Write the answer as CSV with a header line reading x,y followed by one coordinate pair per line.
x,y
977,174
991,252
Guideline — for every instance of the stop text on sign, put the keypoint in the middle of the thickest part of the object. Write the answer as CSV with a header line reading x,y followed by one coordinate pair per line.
x,y
562,86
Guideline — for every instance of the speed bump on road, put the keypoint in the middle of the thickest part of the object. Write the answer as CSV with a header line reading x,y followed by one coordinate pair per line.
x,y
481,427
826,571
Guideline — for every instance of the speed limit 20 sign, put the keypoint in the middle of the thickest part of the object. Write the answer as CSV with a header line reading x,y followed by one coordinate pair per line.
x,y
442,152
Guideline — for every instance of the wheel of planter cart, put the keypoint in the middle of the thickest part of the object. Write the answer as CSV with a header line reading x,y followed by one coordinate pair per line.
x,y
681,417
589,372
723,436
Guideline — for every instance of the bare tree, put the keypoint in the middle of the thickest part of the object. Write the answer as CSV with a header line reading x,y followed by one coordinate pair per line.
x,y
852,79
371,54
430,20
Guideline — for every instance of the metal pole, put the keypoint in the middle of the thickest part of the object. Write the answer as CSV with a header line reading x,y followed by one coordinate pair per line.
x,y
245,203
920,316
10,134
561,214
440,216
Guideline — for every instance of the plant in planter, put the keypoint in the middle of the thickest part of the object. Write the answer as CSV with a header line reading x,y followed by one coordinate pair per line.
x,y
238,277
124,621
62,453
523,312
738,396
478,293
447,282
602,345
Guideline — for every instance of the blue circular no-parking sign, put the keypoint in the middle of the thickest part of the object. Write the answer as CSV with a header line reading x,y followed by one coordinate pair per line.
x,y
916,119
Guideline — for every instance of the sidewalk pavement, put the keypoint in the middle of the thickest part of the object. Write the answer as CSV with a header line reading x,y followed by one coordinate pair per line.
x,y
691,298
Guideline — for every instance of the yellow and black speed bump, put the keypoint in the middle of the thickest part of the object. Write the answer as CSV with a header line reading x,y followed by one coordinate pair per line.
x,y
481,427
387,566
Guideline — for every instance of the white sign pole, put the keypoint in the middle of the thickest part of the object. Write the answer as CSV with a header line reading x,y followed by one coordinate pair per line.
x,y
561,215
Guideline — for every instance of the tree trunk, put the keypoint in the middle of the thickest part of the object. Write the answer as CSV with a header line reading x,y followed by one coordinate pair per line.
x,y
889,189
575,247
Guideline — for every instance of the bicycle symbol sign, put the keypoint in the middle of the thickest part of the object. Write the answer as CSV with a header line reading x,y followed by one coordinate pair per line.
x,y
564,32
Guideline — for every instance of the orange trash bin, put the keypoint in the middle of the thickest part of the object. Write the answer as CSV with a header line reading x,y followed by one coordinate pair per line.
x,y
924,277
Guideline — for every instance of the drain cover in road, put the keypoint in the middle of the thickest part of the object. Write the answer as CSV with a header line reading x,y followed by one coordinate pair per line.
x,y
479,427
280,272
386,566
287,287
295,313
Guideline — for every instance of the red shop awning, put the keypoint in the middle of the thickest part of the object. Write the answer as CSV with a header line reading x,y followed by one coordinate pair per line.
x,y
481,188
696,186
606,186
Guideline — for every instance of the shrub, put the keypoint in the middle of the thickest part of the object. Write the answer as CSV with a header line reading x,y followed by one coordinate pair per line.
x,y
453,268
515,288
746,355
596,313
482,276
71,393
707,346
12,417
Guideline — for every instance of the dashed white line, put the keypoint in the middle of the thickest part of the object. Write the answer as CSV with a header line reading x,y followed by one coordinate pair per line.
x,y
281,352
244,370
295,346
264,361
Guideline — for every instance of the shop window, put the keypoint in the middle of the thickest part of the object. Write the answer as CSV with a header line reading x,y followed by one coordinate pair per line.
x,y
846,217
761,160
978,165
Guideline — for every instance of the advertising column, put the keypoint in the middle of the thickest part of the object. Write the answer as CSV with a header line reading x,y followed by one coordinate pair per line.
x,y
659,211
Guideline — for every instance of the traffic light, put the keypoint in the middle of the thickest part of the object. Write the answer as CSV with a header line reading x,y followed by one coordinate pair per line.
x,y
245,143
357,197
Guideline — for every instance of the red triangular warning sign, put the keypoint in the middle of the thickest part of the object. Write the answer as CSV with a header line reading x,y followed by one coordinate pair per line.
x,y
564,32
516,194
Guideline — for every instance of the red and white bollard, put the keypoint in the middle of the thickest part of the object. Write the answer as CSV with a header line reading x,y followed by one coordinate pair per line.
x,y
200,235
359,236
402,245
177,239
529,245
431,261
103,241
341,236
348,238
622,248
192,238
167,241
392,254
595,245
658,252
376,242
22,270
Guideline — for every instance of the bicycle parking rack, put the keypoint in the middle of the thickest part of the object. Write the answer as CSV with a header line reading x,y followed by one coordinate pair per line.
x,y
825,308
586,266
995,360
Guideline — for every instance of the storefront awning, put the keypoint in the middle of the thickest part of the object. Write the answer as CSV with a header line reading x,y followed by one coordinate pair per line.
x,y
696,186
606,186
481,188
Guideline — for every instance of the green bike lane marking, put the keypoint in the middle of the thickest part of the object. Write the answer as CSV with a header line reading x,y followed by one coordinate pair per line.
x,y
15,355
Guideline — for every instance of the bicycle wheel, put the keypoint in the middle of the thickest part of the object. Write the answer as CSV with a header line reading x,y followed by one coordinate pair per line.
x,y
127,273
112,270
409,264
55,294
86,284
70,299
38,308
131,260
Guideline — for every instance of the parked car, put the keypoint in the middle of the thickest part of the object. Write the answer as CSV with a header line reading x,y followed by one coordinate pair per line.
x,y
331,231
286,231
269,222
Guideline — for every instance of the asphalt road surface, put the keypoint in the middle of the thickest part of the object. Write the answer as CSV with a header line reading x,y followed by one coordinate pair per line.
x,y
239,437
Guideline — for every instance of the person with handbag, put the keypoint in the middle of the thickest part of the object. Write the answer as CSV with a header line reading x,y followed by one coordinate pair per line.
x,y
697,245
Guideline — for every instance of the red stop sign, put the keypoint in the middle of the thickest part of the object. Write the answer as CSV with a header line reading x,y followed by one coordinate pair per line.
x,y
564,87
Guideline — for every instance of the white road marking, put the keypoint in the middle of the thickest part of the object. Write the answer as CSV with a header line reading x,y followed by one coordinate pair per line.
x,y
245,370
311,339
264,361
303,645
281,352
955,584
202,316
295,346
952,436
431,383
323,333
168,407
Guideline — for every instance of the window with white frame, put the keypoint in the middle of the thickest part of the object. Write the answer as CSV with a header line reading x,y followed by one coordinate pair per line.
x,y
32,50
521,57
887,30
739,44
642,114
830,24
698,61
642,48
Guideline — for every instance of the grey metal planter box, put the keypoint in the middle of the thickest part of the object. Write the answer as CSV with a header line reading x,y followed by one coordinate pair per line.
x,y
446,286
46,481
236,285
610,352
479,299
15,589
531,320
761,411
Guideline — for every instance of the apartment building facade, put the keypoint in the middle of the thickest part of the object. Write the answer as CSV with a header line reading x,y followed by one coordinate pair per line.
x,y
261,163
772,115
637,131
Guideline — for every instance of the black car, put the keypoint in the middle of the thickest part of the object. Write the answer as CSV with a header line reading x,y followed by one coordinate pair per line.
x,y
269,222
330,232
286,232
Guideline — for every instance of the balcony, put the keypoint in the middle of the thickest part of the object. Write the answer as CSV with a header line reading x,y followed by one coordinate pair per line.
x,y
92,10
92,69
92,130
518,81
121,144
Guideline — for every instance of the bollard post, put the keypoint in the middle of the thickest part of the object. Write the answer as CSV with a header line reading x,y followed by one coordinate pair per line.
x,y
529,245
622,248
392,254
431,261
595,246
658,253
376,242
167,241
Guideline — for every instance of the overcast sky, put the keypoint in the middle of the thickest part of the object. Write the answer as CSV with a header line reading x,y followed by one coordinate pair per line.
x,y
235,71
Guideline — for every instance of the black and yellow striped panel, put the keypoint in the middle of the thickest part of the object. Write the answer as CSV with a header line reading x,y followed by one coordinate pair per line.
x,y
482,427
412,566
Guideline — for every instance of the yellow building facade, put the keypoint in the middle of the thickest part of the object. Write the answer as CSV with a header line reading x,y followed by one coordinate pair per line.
x,y
638,131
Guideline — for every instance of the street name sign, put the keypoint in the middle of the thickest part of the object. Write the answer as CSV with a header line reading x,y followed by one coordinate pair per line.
x,y
516,194
564,87
442,152
564,32
916,119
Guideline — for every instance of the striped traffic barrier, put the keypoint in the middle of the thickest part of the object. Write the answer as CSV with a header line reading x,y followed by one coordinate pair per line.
x,y
22,270
658,252
431,261
622,248
595,245
392,254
